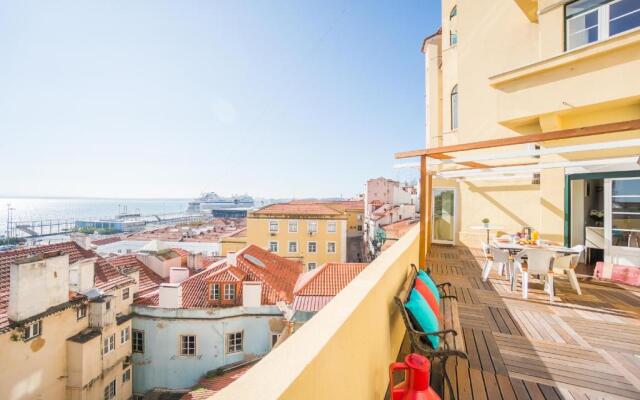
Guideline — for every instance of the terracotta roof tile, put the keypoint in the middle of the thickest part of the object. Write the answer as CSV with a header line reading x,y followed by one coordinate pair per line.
x,y
147,280
297,209
277,274
106,275
207,387
109,240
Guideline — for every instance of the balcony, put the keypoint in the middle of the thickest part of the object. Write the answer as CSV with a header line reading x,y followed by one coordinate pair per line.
x,y
576,347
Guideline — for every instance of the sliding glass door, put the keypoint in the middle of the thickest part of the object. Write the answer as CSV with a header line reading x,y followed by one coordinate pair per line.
x,y
444,205
622,221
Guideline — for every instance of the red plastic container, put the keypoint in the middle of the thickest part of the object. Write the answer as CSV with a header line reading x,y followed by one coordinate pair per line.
x,y
416,379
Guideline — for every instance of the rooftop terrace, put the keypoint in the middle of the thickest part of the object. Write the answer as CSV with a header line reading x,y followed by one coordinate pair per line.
x,y
578,347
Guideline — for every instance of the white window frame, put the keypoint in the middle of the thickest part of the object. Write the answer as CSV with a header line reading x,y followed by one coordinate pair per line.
x,y
332,226
124,335
125,293
310,264
273,223
312,226
108,344
602,27
32,330
229,294
275,336
315,247
214,292
277,246
335,247
237,348
294,223
126,375
137,343
294,242
110,390
185,345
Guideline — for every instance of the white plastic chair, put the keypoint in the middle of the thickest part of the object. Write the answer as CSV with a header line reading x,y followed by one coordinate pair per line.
x,y
496,257
570,267
539,262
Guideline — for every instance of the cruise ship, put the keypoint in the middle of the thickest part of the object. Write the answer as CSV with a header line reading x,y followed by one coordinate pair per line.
x,y
234,206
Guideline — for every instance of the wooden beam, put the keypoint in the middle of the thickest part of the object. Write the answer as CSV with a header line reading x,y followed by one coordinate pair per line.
x,y
438,152
429,214
422,256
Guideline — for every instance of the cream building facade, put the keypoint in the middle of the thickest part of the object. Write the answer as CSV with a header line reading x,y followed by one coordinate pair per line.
x,y
65,329
499,69
309,232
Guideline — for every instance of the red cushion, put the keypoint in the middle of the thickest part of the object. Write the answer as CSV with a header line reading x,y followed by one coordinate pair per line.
x,y
423,289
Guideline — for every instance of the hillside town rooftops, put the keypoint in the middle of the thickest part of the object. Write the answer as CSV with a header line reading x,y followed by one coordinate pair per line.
x,y
278,276
106,276
316,288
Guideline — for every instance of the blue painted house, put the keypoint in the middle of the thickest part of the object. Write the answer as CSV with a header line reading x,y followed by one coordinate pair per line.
x,y
231,312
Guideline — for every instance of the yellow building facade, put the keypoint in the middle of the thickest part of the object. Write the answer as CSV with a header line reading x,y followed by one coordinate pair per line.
x,y
233,243
510,68
312,233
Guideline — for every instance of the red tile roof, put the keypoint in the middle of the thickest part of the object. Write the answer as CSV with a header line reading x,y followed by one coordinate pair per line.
x,y
297,209
147,280
316,288
106,275
109,240
347,204
278,275
207,387
227,274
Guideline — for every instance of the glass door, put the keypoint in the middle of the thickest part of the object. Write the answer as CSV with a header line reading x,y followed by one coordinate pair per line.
x,y
444,205
622,221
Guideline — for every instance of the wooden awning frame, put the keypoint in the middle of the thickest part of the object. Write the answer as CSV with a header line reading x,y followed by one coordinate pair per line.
x,y
441,153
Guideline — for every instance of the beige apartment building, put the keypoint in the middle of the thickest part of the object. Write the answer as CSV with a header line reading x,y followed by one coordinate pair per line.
x,y
65,329
511,69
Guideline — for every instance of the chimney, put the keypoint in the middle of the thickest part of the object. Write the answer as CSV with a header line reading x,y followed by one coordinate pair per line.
x,y
170,295
81,276
82,240
251,294
232,258
194,261
178,274
37,283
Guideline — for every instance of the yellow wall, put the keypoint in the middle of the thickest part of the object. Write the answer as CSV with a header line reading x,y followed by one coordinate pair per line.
x,y
258,234
515,78
232,244
347,347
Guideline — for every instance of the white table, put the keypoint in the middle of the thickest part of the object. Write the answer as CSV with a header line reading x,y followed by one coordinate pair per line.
x,y
487,228
515,247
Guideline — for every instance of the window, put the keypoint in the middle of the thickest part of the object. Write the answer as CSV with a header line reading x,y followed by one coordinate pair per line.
x,y
454,12
311,266
108,344
273,226
274,338
126,376
331,247
359,228
312,247
138,341
293,247
273,247
453,38
108,305
229,291
587,21
125,293
331,226
313,226
124,335
234,342
32,330
214,292
454,107
293,226
81,311
110,390
625,213
188,345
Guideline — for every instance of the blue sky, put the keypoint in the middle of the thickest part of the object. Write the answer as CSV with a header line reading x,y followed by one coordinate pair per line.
x,y
173,98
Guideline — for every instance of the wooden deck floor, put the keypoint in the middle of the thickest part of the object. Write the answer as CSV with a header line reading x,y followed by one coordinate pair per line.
x,y
578,347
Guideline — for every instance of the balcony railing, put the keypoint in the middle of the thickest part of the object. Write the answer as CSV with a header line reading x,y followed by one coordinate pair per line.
x,y
344,349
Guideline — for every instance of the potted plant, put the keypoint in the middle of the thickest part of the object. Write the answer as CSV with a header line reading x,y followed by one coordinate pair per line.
x,y
485,222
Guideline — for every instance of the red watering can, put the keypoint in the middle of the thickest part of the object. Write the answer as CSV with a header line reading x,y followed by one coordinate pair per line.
x,y
416,379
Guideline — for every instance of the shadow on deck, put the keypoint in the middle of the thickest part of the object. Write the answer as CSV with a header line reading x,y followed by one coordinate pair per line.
x,y
578,347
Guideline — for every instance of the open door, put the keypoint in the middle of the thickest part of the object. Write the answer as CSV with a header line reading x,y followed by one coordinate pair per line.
x,y
444,205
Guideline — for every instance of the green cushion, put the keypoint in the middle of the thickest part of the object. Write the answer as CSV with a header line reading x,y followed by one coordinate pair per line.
x,y
430,283
424,316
